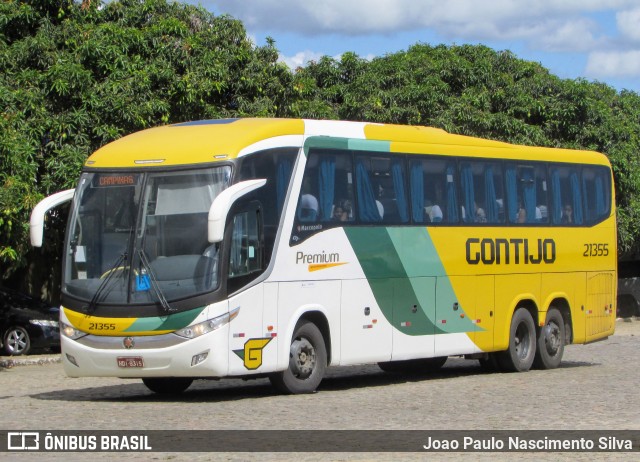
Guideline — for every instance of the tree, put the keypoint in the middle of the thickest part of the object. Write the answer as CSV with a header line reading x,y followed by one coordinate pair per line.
x,y
74,77
474,90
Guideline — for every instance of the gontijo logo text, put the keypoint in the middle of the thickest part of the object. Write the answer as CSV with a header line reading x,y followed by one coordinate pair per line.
x,y
516,251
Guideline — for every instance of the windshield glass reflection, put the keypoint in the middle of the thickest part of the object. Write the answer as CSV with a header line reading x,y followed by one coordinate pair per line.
x,y
142,238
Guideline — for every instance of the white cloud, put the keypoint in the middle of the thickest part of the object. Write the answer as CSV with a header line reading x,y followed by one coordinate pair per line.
x,y
572,35
602,64
577,26
300,59
494,19
629,23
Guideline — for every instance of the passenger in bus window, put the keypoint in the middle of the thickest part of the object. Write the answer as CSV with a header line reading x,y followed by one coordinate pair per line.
x,y
538,215
544,214
433,211
342,211
308,208
567,215
521,217
481,216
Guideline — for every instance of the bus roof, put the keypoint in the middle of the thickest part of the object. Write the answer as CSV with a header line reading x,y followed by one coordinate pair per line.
x,y
209,141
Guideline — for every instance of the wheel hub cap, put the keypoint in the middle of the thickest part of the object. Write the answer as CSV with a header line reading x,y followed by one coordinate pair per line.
x,y
552,338
303,358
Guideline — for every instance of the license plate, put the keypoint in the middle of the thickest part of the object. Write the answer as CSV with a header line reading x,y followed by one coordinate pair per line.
x,y
130,361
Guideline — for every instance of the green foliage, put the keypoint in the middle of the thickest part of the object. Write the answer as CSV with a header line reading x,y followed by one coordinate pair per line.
x,y
476,91
73,79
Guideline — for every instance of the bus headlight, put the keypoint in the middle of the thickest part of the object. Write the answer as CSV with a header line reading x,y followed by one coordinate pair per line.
x,y
207,326
71,332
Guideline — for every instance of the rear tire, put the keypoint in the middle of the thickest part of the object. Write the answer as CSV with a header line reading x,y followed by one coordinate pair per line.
x,y
307,362
413,366
522,343
551,340
167,385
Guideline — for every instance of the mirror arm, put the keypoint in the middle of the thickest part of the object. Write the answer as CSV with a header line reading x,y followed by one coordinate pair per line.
x,y
222,204
36,224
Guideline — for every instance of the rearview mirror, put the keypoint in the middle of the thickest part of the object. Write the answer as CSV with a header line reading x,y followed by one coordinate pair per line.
x,y
36,224
221,205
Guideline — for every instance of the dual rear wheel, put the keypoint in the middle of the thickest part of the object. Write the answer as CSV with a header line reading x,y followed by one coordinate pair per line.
x,y
530,347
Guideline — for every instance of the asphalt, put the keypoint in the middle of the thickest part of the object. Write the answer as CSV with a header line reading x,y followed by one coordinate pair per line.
x,y
7,362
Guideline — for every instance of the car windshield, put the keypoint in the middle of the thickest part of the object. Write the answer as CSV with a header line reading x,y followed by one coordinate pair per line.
x,y
141,238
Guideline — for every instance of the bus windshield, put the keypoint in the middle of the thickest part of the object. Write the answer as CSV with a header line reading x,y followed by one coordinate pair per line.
x,y
141,238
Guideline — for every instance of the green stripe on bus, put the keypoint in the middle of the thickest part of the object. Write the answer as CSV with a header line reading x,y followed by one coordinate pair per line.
x,y
170,322
419,257
354,144
401,266
369,145
325,142
389,282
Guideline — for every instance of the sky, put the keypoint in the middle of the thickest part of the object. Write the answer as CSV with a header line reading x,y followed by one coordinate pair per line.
x,y
598,40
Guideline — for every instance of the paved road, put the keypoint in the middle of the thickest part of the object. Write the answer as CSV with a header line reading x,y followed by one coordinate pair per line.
x,y
596,387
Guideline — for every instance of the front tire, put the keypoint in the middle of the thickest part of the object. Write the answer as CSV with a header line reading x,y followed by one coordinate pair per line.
x,y
167,385
551,340
16,341
522,343
307,362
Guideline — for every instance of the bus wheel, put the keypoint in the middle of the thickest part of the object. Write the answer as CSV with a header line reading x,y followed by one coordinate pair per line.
x,y
551,340
167,385
522,343
414,366
307,362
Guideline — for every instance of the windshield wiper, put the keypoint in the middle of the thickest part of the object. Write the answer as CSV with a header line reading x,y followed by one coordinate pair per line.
x,y
154,281
105,282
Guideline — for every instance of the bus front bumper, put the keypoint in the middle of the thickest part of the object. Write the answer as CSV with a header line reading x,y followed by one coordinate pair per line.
x,y
159,356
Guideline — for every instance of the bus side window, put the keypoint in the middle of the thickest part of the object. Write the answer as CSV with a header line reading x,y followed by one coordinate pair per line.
x,y
385,177
527,194
596,198
482,192
566,196
432,191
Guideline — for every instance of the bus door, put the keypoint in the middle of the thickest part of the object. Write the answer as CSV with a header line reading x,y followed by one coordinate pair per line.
x,y
249,338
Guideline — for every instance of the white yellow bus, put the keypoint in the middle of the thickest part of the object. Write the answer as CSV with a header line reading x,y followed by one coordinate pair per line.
x,y
276,248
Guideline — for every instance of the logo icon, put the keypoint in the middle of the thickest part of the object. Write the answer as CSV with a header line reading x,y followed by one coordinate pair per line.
x,y
252,353
23,441
128,343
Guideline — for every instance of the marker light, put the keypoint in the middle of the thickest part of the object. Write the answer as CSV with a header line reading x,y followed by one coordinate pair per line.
x,y
72,360
197,359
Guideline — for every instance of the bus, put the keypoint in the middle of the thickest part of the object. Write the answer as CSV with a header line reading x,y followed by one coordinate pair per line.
x,y
277,248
